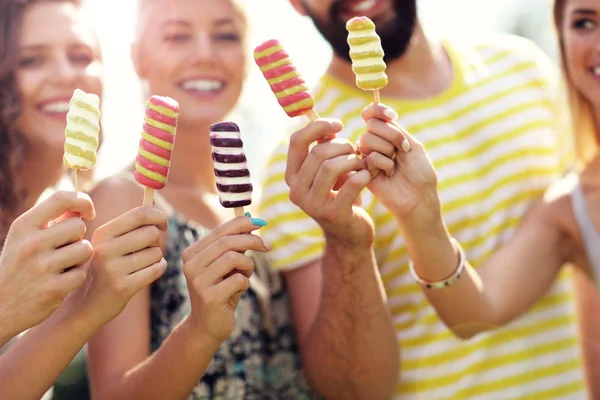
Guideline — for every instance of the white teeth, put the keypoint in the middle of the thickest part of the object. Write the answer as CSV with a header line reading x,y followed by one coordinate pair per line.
x,y
57,107
596,71
202,85
364,6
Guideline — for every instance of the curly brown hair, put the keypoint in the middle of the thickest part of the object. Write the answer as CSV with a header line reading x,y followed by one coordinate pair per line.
x,y
13,144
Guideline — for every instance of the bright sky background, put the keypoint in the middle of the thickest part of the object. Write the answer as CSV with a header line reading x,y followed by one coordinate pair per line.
x,y
263,122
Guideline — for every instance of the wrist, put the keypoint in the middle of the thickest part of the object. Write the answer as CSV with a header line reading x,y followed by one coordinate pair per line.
x,y
424,220
197,338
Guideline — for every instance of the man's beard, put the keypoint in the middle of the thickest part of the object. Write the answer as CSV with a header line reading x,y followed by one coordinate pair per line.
x,y
395,34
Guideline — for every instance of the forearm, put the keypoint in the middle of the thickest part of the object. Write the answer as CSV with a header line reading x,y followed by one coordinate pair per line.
x,y
351,351
463,306
170,373
30,367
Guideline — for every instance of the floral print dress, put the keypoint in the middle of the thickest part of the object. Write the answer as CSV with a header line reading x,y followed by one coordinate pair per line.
x,y
260,360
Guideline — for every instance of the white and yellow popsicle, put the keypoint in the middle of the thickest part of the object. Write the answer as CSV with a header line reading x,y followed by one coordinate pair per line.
x,y
366,54
83,127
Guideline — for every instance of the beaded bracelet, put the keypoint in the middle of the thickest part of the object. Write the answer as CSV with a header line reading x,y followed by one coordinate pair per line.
x,y
448,281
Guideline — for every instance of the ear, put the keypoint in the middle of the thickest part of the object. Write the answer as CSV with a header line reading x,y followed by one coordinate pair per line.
x,y
136,59
298,6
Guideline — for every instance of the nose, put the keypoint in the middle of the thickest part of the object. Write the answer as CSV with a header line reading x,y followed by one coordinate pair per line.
x,y
64,72
204,50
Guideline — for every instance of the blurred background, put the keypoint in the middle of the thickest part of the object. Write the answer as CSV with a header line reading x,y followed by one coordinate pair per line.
x,y
123,102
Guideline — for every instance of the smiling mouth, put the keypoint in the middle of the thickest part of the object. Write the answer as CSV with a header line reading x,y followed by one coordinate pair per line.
x,y
56,109
356,8
203,85
595,71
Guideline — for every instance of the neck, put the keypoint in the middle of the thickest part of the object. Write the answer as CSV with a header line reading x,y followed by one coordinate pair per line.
x,y
39,170
191,161
423,71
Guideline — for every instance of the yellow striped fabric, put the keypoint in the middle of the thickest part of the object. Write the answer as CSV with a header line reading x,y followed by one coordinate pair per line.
x,y
491,137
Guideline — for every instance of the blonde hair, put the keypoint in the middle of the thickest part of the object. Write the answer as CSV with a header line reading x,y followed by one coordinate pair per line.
x,y
586,138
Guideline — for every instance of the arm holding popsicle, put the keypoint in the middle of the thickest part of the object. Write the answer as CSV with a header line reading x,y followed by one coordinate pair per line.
x,y
346,329
120,363
477,301
113,275
40,245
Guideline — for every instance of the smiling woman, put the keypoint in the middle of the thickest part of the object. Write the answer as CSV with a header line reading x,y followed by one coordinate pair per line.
x,y
190,334
43,60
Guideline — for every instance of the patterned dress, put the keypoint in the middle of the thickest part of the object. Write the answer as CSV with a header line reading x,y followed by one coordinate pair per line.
x,y
260,360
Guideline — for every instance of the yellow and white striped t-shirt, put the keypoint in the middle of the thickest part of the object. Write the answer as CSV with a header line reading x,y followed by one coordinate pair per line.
x,y
491,137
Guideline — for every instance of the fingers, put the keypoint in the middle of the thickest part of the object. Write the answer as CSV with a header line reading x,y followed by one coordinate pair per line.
x,y
225,265
139,260
67,231
388,116
351,189
318,154
144,277
370,142
132,219
301,141
139,239
231,243
379,111
330,171
234,284
70,256
70,280
55,206
236,226
377,161
388,132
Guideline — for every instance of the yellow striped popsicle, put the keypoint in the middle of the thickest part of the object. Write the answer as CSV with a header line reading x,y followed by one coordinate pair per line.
x,y
83,127
366,54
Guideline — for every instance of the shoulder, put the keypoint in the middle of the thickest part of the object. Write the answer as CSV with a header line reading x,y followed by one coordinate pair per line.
x,y
557,203
114,196
509,50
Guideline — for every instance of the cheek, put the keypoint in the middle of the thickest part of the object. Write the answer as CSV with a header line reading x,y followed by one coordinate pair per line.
x,y
575,54
28,83
237,65
93,80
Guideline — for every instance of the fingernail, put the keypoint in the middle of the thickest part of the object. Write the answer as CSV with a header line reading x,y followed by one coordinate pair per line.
x,y
405,146
247,214
267,245
391,114
259,222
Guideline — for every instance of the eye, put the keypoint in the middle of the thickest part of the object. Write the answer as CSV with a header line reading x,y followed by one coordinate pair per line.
x,y
584,24
177,37
81,58
31,61
228,37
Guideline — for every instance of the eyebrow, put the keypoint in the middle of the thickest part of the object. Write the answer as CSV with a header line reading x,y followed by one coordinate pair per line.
x,y
177,22
224,21
585,11
219,22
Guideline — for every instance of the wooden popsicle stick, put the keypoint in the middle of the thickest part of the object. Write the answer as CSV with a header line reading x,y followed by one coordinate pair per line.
x,y
78,180
312,115
239,211
148,196
376,97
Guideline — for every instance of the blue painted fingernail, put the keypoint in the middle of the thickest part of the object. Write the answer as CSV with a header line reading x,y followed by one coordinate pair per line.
x,y
259,222
247,214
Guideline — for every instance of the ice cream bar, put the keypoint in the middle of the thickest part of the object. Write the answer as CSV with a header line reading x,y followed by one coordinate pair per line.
x,y
158,136
231,167
83,127
366,54
285,81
